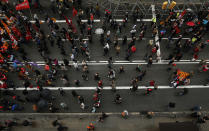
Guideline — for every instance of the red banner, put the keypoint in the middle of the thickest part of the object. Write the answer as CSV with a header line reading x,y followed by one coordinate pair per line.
x,y
23,5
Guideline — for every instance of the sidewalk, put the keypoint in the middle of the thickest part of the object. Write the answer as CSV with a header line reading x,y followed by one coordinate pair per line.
x,y
112,123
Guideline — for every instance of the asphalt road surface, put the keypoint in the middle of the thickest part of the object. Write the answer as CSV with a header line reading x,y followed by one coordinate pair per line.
x,y
137,101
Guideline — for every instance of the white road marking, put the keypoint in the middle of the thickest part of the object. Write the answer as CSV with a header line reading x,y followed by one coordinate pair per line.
x,y
95,20
23,115
163,62
92,61
184,60
122,61
176,19
176,38
145,20
120,39
138,61
117,87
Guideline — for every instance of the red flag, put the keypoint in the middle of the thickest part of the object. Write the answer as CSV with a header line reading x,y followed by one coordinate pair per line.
x,y
23,5
71,21
72,25
67,21
182,14
28,35
68,36
75,12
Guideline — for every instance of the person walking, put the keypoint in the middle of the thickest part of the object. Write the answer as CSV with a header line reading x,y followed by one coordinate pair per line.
x,y
149,62
106,49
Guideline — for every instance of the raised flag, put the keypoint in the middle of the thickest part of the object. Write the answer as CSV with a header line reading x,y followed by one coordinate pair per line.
x,y
68,36
23,5
67,21
71,21
75,12
182,14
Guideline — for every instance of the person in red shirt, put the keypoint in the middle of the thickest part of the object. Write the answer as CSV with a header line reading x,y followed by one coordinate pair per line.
x,y
95,96
100,83
152,83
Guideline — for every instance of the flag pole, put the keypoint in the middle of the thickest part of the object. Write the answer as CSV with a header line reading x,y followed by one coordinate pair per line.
x,y
30,10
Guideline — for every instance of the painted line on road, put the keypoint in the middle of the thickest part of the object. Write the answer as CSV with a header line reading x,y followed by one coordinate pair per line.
x,y
145,20
117,87
123,61
176,38
163,62
79,114
23,115
120,39
185,60
95,20
131,63
129,39
63,21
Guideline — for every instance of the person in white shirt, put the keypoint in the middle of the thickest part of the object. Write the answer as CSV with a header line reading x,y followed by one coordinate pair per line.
x,y
72,57
75,64
106,49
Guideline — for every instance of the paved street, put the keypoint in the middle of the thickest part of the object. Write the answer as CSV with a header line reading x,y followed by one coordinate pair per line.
x,y
137,101
132,101
72,60
113,122
157,72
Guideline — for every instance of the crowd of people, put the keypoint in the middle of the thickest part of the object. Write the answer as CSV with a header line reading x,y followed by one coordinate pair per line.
x,y
17,29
